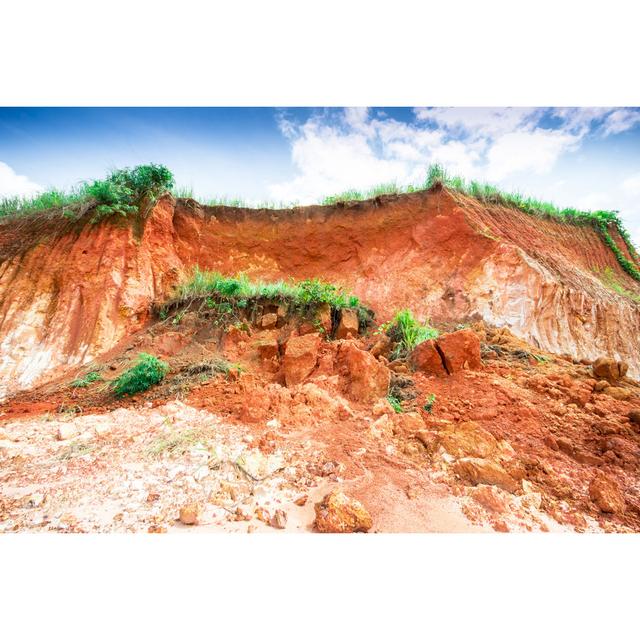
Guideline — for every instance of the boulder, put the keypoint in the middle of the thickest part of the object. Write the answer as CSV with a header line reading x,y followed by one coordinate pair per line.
x,y
382,346
338,513
426,358
618,393
606,494
609,369
348,325
461,350
408,424
468,439
481,471
368,379
300,358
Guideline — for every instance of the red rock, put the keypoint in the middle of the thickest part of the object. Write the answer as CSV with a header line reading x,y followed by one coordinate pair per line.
x,y
408,424
461,350
300,358
338,513
606,494
268,348
467,439
609,369
634,417
348,325
367,378
301,501
490,498
481,471
323,317
269,320
426,358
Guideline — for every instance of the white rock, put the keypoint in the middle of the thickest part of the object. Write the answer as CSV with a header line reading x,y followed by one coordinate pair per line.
x,y
201,472
66,431
102,429
274,423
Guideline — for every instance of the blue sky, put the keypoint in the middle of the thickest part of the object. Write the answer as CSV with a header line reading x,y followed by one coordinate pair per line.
x,y
582,157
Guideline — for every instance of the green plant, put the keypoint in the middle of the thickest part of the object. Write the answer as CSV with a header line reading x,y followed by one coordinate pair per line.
x,y
92,376
430,402
148,371
395,403
408,332
126,190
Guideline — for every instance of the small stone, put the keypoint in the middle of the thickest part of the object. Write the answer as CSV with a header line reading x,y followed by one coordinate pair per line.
x,y
190,513
301,501
606,494
279,519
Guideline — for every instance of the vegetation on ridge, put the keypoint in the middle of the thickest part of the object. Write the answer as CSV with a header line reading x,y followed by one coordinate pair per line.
x,y
127,192
122,193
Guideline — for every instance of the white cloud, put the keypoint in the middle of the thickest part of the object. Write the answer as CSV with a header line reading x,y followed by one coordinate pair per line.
x,y
12,184
620,120
479,122
535,151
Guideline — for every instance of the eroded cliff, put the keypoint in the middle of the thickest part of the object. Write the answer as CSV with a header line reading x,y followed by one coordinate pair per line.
x,y
69,292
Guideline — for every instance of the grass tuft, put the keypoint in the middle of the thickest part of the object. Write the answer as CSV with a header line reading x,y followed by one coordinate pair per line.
x,y
407,332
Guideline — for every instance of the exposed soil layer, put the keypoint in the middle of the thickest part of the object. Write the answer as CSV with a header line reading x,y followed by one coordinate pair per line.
x,y
68,295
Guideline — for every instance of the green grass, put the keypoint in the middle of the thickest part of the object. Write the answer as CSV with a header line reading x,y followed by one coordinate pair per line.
x,y
395,403
233,297
92,376
304,293
407,332
148,371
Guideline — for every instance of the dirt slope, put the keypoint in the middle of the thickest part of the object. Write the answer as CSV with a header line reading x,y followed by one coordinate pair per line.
x,y
68,295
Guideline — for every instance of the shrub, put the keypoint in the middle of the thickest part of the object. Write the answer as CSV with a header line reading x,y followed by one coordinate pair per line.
x,y
148,371
126,190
